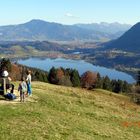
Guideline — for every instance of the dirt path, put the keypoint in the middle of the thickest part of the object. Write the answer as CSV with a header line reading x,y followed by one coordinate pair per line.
x,y
17,100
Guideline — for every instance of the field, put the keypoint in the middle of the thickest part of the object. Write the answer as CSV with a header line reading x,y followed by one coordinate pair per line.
x,y
65,113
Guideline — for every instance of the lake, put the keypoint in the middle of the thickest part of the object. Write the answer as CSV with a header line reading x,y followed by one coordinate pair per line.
x,y
80,65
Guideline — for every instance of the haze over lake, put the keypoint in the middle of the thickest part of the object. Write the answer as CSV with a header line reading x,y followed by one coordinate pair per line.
x,y
80,65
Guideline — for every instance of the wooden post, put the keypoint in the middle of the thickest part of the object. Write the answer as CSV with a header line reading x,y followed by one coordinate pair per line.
x,y
4,86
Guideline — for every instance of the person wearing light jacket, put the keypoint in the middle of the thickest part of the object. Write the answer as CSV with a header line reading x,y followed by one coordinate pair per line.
x,y
28,81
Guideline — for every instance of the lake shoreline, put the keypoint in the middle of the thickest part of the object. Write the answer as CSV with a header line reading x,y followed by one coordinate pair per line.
x,y
132,73
76,62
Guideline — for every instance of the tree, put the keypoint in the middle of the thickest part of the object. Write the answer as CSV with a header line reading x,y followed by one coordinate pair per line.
x,y
41,76
138,78
65,80
113,85
52,77
59,76
126,87
45,77
59,73
99,83
118,87
88,80
5,64
106,83
75,78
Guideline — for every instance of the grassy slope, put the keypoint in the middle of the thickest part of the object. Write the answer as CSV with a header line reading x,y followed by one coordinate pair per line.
x,y
71,114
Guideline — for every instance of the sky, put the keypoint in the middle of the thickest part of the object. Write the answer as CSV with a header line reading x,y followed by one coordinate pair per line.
x,y
70,11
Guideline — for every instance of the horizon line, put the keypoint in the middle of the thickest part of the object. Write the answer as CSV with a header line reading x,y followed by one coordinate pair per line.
x,y
23,22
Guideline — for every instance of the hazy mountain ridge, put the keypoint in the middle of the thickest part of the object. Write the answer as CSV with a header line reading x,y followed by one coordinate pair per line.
x,y
110,28
42,30
130,41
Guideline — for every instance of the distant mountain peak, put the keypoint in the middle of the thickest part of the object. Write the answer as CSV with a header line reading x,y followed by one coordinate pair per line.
x,y
137,25
35,21
130,41
37,29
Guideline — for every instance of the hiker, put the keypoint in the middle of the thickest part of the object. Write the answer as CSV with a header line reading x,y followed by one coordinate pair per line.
x,y
28,81
23,89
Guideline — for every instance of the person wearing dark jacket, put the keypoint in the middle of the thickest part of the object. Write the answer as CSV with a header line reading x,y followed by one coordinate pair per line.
x,y
7,82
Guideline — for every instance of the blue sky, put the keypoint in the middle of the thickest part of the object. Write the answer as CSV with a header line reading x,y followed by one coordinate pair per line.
x,y
70,11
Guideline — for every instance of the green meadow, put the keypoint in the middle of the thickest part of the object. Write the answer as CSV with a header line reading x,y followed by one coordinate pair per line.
x,y
66,113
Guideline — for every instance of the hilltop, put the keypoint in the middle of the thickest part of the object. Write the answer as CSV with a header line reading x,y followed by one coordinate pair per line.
x,y
70,113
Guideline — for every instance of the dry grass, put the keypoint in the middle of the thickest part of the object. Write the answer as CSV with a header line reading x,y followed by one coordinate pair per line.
x,y
72,114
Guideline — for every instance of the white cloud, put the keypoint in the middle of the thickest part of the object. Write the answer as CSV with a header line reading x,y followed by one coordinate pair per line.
x,y
70,15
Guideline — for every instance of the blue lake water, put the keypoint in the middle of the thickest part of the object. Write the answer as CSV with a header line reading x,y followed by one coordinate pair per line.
x,y
80,65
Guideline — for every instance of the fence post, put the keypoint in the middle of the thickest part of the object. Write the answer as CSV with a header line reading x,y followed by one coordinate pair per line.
x,y
4,86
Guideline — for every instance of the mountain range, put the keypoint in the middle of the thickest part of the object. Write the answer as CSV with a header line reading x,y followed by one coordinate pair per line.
x,y
42,30
109,28
129,41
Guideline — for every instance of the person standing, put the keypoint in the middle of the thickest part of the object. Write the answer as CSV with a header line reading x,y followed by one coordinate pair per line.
x,y
23,89
28,81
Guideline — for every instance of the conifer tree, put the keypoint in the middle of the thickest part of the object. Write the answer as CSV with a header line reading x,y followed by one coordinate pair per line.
x,y
75,78
106,83
99,81
52,77
5,64
138,78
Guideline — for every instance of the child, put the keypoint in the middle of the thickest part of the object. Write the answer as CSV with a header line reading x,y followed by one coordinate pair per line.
x,y
23,89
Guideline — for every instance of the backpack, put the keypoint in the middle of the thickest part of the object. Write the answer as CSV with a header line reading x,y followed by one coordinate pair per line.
x,y
10,96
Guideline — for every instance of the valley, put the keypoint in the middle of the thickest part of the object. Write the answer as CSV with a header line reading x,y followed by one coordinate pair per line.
x,y
80,42
88,51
